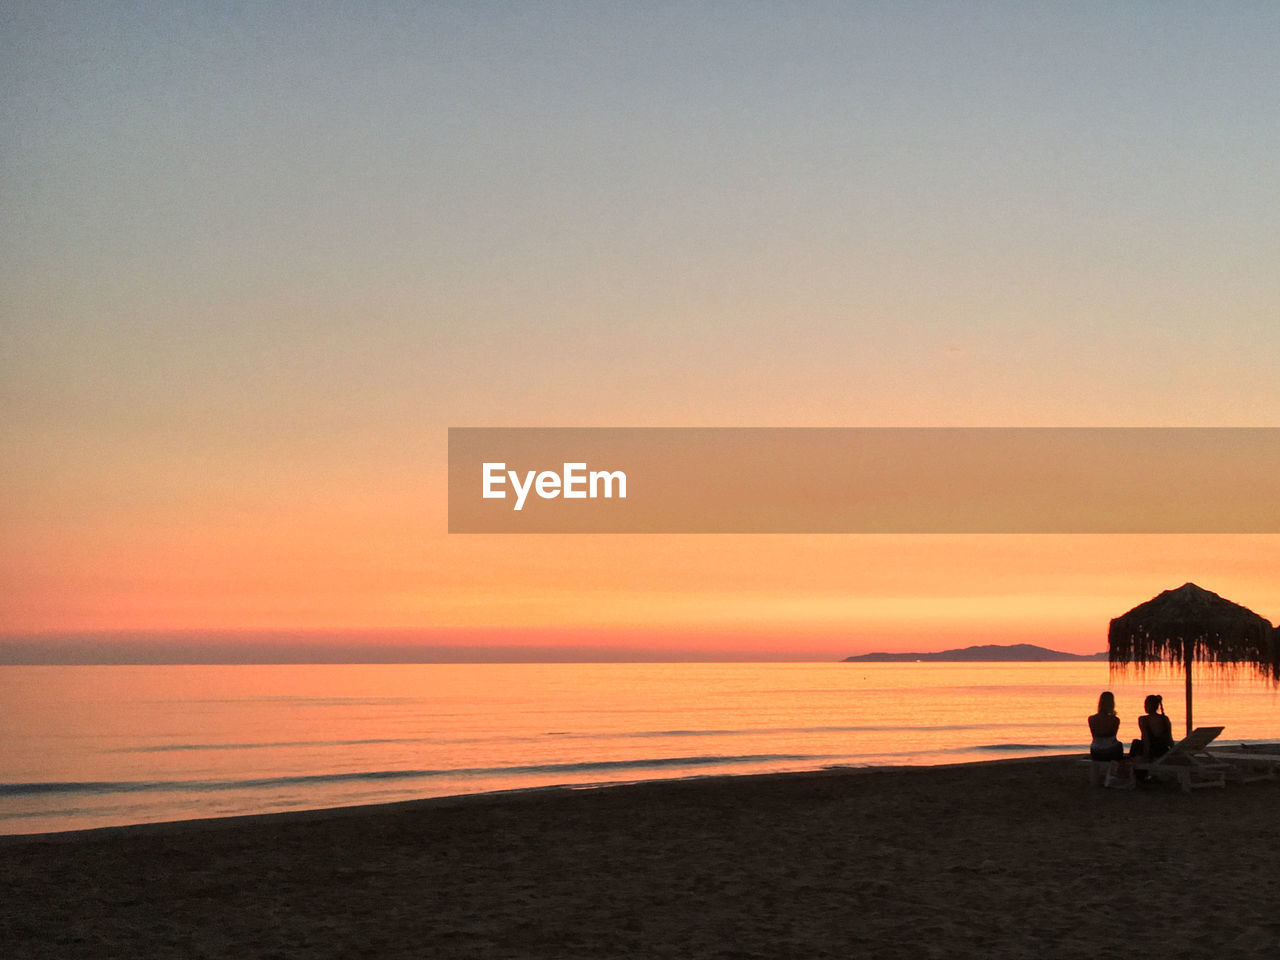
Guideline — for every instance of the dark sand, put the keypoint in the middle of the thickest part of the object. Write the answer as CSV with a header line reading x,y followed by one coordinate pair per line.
x,y
1016,859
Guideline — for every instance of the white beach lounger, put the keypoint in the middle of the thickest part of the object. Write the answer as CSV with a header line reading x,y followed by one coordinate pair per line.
x,y
1189,763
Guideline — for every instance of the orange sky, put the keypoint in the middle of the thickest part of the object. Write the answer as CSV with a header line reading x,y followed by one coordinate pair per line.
x,y
249,284
737,596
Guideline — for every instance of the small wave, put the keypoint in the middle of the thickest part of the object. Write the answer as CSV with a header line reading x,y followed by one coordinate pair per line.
x,y
1019,747
295,700
676,733
271,744
589,766
756,731
78,786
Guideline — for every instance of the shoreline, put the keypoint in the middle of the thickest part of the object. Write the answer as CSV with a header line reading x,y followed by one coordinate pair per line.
x,y
315,814
320,814
1001,859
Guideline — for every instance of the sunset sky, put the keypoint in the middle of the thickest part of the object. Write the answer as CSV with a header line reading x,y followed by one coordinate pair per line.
x,y
259,258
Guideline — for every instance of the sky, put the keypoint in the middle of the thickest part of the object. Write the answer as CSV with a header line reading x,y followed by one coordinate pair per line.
x,y
260,257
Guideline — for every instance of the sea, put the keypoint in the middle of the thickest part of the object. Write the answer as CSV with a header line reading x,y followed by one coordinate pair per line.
x,y
94,746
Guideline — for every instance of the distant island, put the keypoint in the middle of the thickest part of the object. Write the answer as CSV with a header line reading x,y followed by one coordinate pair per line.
x,y
1014,652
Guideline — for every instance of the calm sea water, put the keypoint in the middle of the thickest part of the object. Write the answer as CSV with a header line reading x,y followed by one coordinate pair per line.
x,y
97,746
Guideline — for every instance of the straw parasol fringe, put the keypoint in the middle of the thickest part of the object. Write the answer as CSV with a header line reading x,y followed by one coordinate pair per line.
x,y
1193,625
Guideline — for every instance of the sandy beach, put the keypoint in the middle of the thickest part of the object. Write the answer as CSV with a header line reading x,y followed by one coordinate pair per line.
x,y
1008,859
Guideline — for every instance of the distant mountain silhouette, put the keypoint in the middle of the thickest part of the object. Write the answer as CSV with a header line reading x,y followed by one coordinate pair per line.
x,y
1014,652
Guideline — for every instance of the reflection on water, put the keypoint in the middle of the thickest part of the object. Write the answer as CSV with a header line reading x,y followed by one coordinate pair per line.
x,y
92,746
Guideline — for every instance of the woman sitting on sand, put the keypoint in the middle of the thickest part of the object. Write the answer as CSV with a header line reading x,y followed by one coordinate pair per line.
x,y
1157,731
1104,725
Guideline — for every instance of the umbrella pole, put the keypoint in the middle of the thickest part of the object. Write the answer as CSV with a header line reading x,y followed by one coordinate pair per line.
x,y
1187,668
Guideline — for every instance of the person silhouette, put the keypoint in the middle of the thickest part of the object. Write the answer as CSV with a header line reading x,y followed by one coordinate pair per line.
x,y
1103,726
1156,730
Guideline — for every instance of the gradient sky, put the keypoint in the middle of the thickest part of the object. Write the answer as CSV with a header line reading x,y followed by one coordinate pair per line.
x,y
258,258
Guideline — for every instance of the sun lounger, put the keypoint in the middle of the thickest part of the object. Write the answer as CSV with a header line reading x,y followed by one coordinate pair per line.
x,y
1189,763
1246,765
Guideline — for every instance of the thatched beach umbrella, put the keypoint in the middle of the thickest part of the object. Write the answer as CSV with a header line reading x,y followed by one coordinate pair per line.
x,y
1193,625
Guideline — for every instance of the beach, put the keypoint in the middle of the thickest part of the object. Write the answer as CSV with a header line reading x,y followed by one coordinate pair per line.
x,y
1002,859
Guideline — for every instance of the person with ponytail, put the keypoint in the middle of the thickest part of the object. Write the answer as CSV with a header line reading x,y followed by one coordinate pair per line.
x,y
1156,729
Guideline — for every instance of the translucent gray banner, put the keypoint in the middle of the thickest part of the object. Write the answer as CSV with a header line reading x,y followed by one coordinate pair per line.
x,y
864,480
